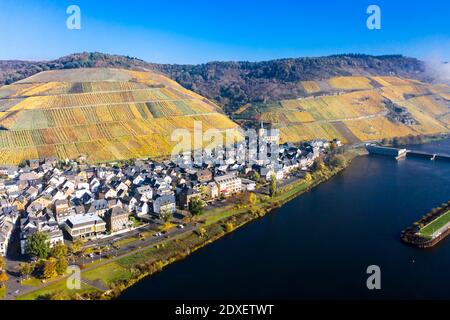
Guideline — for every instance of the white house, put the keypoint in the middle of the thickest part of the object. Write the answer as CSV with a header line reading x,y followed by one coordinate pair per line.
x,y
212,190
88,226
228,184
45,224
7,223
248,185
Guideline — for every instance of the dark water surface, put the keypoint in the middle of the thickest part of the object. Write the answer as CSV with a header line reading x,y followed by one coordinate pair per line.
x,y
320,244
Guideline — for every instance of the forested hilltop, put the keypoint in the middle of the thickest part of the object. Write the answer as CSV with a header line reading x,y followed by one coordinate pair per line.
x,y
233,84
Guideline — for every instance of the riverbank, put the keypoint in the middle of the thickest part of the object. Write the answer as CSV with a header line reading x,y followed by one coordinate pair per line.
x,y
319,245
119,273
410,141
431,229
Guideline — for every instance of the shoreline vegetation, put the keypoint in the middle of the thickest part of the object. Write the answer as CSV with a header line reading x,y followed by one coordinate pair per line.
x,y
430,229
117,274
411,140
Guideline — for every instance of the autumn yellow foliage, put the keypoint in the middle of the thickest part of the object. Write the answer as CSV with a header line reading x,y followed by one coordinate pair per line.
x,y
102,114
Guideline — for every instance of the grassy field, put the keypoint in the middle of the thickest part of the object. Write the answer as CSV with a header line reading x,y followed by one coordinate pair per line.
x,y
32,282
2,292
55,288
108,274
435,225
125,241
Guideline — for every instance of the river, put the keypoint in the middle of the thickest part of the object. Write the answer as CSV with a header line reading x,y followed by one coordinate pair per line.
x,y
319,245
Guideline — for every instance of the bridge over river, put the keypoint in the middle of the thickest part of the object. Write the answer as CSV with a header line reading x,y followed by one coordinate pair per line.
x,y
399,153
427,155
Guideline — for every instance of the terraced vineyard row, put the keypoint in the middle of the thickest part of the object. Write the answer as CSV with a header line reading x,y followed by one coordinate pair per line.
x,y
60,135
142,130
103,114
358,115
89,99
350,83
45,118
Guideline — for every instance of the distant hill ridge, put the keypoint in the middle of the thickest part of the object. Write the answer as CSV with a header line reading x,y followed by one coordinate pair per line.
x,y
233,84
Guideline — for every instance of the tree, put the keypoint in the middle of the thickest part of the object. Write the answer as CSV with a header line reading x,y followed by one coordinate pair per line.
x,y
38,246
61,266
196,206
273,186
202,232
26,269
308,177
204,190
318,165
87,251
333,146
134,222
336,161
50,269
3,278
252,199
2,263
166,214
77,246
229,227
59,250
256,176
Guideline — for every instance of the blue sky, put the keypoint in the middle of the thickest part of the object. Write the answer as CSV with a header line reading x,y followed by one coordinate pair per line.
x,y
200,31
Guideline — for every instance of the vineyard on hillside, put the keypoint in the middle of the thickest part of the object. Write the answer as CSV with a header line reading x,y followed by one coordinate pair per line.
x,y
357,111
350,83
102,114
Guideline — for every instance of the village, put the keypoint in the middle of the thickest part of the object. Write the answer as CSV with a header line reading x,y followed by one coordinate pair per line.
x,y
70,201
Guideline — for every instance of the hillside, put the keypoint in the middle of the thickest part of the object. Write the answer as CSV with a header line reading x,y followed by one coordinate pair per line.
x,y
102,114
356,109
232,84
110,107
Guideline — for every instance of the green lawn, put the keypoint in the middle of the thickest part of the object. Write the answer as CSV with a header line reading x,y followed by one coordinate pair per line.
x,y
31,282
108,273
432,227
2,292
125,241
53,288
